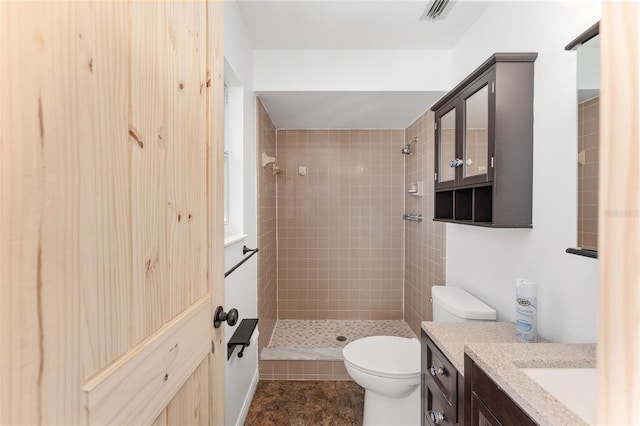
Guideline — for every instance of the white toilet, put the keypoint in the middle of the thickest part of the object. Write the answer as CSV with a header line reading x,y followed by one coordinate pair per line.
x,y
388,367
454,304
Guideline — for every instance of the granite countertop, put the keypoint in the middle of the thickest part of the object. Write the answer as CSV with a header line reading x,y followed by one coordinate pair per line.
x,y
451,337
494,348
502,363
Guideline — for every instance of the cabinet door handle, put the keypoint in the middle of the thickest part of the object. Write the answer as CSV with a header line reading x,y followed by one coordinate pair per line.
x,y
436,417
437,371
456,163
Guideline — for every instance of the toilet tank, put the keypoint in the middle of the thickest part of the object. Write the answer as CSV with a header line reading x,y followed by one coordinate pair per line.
x,y
454,304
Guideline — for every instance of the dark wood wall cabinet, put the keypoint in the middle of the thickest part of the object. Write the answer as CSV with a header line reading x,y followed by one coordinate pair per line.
x,y
442,387
484,145
486,403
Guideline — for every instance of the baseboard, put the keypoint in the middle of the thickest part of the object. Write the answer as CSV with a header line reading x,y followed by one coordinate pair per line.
x,y
247,401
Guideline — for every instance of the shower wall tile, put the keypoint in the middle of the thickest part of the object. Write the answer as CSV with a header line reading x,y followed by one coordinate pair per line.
x,y
303,370
340,228
267,266
424,243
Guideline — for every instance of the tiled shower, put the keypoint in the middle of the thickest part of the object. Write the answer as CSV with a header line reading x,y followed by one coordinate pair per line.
x,y
333,245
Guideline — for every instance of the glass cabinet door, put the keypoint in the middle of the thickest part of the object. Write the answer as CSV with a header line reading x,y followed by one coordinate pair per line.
x,y
447,147
477,135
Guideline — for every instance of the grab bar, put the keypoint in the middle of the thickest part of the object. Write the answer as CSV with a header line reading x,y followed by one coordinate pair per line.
x,y
245,250
412,217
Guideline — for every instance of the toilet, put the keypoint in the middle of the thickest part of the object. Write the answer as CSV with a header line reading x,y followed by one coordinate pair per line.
x,y
388,367
455,304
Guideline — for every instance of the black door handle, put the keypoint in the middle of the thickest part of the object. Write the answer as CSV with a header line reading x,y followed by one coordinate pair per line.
x,y
220,316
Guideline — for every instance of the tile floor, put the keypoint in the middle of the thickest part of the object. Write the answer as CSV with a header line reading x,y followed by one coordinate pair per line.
x,y
294,403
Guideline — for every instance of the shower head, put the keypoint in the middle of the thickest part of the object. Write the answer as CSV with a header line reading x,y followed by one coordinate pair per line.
x,y
407,148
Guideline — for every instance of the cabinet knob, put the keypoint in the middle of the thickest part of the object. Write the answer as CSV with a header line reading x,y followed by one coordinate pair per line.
x,y
436,417
456,163
437,371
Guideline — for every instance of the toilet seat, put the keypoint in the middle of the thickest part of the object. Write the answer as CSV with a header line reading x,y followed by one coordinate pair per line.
x,y
384,356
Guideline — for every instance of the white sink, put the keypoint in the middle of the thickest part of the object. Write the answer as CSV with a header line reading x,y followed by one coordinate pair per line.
x,y
574,387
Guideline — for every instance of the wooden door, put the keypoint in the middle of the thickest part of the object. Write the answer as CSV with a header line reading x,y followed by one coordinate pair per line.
x,y
111,213
618,216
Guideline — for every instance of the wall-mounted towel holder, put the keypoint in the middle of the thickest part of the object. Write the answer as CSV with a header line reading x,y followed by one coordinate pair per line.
x,y
412,217
241,337
270,164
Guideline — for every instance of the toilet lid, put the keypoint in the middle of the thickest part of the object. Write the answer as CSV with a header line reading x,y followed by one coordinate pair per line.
x,y
385,355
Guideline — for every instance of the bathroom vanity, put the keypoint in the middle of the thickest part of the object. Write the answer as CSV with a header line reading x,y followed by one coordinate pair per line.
x,y
475,373
500,390
442,362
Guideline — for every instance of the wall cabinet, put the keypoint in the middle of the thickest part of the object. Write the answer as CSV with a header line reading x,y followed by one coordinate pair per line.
x,y
486,403
484,145
442,387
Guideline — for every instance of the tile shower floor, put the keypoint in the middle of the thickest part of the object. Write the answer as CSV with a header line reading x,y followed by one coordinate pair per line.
x,y
318,339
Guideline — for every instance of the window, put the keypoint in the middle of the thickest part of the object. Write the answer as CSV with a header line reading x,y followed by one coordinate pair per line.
x,y
226,156
233,159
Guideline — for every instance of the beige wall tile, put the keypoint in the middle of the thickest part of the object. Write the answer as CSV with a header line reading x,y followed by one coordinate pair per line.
x,y
335,223
424,243
267,269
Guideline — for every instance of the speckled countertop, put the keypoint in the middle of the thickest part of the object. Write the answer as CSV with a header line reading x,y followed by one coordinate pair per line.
x,y
502,363
493,346
451,337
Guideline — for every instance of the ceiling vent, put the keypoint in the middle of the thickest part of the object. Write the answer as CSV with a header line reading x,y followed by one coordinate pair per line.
x,y
435,9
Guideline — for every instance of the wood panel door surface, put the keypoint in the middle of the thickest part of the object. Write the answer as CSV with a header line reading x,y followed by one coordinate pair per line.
x,y
111,213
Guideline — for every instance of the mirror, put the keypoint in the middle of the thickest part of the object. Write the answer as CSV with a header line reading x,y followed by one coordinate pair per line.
x,y
476,133
447,145
588,88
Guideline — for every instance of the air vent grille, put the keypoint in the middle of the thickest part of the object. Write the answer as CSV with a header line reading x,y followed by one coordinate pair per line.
x,y
434,9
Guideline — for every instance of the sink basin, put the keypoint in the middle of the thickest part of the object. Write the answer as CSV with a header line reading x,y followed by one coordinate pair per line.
x,y
574,387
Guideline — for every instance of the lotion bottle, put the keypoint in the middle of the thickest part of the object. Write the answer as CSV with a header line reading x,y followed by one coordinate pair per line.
x,y
526,311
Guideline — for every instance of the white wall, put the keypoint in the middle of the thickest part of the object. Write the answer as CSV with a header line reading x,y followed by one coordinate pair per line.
x,y
352,70
487,261
241,374
241,286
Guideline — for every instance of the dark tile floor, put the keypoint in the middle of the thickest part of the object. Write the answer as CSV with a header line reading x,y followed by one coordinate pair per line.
x,y
296,403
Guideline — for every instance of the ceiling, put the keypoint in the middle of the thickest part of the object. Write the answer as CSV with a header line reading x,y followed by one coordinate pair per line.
x,y
360,24
346,110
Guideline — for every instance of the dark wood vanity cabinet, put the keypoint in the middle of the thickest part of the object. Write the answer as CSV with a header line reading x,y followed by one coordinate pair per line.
x,y
486,403
441,386
484,145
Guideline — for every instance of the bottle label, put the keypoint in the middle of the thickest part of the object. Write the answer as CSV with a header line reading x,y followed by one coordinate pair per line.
x,y
526,319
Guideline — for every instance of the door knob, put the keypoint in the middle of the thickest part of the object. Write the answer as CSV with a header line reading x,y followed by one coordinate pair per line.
x,y
220,316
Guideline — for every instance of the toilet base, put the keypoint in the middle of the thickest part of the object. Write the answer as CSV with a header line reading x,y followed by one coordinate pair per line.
x,y
384,411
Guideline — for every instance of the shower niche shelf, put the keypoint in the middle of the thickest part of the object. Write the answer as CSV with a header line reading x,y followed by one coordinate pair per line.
x,y
484,145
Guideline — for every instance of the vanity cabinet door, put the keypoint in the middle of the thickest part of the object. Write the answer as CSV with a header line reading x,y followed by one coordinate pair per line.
x,y
480,414
486,403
